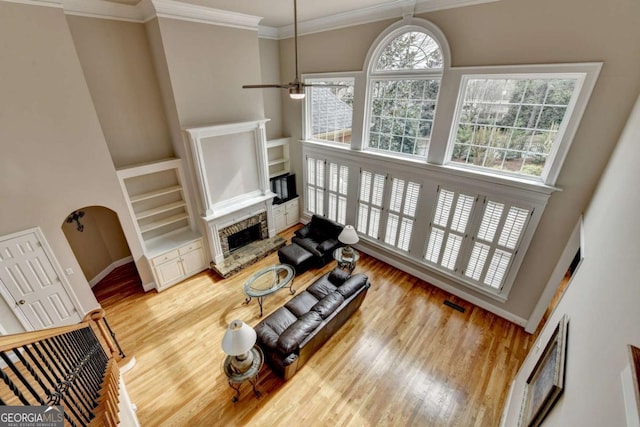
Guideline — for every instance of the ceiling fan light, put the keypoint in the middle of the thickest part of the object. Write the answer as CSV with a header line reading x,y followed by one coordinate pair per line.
x,y
296,93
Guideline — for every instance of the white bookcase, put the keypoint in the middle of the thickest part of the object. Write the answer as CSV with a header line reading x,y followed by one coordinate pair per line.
x,y
163,219
278,156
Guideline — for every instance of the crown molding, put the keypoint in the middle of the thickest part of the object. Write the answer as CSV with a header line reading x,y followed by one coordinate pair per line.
x,y
396,9
48,3
103,10
425,6
149,9
190,12
265,32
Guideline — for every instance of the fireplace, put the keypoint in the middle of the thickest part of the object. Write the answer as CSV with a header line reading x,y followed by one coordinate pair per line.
x,y
241,233
244,237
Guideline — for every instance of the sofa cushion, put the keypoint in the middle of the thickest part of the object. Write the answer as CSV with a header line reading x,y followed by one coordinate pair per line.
x,y
328,304
280,320
296,333
352,284
301,303
322,287
338,276
327,245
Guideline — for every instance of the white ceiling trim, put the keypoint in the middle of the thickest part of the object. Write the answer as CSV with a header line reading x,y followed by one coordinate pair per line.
x,y
149,9
433,5
190,12
397,9
103,10
49,3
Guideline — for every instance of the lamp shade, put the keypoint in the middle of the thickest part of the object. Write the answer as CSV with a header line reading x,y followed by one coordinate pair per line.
x,y
348,236
238,339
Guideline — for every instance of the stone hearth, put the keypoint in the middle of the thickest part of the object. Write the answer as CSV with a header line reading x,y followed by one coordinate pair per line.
x,y
247,255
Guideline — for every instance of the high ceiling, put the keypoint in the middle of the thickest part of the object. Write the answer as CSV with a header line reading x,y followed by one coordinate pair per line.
x,y
278,13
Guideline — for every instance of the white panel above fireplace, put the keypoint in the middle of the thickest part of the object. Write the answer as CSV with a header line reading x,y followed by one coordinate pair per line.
x,y
231,165
230,154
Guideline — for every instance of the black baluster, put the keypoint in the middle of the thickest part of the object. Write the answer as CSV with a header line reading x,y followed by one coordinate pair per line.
x,y
13,387
113,335
21,378
53,396
52,367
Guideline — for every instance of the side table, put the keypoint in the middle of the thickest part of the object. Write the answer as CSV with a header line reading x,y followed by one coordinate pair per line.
x,y
347,263
251,375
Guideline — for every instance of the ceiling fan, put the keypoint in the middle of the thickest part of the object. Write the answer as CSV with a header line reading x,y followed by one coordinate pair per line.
x,y
296,87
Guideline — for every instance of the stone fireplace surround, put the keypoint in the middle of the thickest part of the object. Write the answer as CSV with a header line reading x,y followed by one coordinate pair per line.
x,y
225,232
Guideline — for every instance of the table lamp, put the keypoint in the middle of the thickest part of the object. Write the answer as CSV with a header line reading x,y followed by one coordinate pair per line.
x,y
238,342
348,236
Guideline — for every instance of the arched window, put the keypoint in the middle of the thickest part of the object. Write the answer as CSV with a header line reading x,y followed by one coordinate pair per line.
x,y
405,66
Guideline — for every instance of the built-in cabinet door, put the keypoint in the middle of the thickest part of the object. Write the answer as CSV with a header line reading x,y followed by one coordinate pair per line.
x,y
169,271
292,214
280,217
193,262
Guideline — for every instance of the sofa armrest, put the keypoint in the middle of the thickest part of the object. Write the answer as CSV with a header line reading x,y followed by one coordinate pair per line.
x,y
352,284
304,231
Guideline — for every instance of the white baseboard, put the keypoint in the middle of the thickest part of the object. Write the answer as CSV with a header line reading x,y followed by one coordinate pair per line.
x,y
149,286
109,269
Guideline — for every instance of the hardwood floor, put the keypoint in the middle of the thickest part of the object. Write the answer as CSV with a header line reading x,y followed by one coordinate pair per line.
x,y
403,359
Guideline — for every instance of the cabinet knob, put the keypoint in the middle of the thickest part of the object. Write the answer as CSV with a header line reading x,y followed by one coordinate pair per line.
x,y
21,302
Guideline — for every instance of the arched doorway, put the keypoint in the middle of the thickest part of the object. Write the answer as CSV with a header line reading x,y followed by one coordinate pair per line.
x,y
99,244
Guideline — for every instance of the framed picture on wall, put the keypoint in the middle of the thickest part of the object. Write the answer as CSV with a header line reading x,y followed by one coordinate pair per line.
x,y
546,382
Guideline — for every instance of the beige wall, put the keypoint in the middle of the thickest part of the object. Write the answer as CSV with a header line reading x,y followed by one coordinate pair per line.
x,y
117,64
270,66
207,66
100,244
600,302
54,156
519,32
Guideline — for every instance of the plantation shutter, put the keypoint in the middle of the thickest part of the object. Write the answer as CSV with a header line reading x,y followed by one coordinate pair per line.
x,y
403,202
337,192
496,242
449,228
315,186
370,203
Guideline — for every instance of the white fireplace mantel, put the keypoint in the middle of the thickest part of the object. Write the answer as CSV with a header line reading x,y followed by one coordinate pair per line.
x,y
232,171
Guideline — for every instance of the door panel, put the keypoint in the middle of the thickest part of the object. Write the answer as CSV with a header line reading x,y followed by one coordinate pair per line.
x,y
30,279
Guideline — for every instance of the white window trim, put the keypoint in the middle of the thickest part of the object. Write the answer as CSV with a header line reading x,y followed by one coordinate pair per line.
x,y
408,24
356,131
587,74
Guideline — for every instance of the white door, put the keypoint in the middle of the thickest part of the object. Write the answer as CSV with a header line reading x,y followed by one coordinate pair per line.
x,y
31,284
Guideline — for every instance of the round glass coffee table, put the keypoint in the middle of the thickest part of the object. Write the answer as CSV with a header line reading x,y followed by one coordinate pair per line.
x,y
267,281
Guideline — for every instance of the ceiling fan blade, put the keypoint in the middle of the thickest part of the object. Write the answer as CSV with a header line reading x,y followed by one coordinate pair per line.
x,y
265,86
324,85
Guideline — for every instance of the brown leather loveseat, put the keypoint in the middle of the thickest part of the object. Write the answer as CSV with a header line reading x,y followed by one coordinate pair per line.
x,y
290,335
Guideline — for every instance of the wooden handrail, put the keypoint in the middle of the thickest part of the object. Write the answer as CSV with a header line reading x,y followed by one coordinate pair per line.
x,y
75,366
8,342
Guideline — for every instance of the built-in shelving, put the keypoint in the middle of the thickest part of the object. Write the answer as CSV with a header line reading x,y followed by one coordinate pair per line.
x,y
278,156
160,209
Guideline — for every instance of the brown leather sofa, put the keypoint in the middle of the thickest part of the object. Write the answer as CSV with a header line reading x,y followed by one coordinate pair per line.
x,y
290,335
